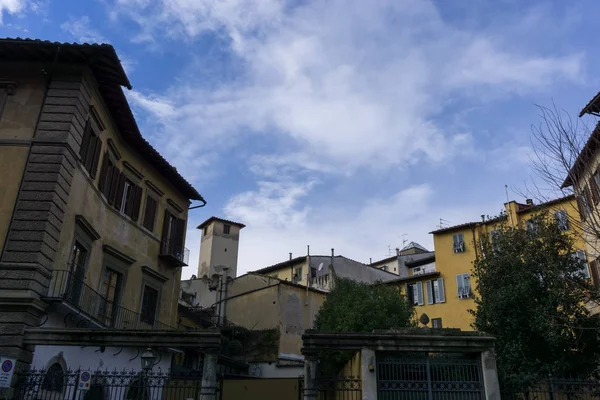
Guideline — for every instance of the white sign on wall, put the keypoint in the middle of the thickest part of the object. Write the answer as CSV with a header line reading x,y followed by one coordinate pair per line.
x,y
7,368
84,380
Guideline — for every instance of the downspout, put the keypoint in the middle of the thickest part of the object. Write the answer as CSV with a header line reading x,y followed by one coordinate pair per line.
x,y
474,241
224,298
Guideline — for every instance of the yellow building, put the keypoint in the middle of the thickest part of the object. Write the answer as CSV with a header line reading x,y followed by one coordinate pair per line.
x,y
92,217
442,286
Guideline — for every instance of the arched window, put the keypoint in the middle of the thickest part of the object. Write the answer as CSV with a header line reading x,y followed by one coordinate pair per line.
x,y
54,379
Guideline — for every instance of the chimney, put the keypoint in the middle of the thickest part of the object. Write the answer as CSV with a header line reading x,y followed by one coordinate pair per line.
x,y
332,255
482,218
370,261
290,256
529,202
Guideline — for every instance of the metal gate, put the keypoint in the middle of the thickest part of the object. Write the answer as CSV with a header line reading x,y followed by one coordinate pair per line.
x,y
429,376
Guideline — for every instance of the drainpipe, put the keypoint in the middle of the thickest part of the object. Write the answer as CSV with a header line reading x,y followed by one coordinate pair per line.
x,y
474,241
224,298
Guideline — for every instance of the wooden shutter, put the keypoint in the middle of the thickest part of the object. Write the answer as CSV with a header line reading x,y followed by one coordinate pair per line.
x,y
95,156
420,292
103,174
114,183
165,232
429,287
442,298
119,191
85,141
150,213
137,199
594,190
179,235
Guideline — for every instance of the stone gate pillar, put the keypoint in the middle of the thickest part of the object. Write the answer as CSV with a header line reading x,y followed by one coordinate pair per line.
x,y
209,376
310,376
490,375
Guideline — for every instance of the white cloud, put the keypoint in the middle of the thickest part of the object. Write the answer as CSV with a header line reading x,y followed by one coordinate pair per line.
x,y
12,7
343,83
81,30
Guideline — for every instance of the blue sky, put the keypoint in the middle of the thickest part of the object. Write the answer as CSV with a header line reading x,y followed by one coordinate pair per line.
x,y
345,124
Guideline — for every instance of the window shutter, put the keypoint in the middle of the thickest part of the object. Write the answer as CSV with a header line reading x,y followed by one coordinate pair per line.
x,y
150,213
460,285
165,232
580,207
96,157
467,284
429,285
119,191
114,184
594,190
103,173
442,298
180,234
85,142
420,292
137,200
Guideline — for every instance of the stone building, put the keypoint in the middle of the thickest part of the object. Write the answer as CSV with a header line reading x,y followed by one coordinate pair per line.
x,y
92,217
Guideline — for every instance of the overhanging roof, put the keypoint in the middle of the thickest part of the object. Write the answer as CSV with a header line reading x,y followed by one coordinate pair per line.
x,y
110,75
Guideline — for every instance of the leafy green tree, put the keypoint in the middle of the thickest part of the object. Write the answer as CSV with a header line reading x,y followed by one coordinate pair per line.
x,y
532,295
358,307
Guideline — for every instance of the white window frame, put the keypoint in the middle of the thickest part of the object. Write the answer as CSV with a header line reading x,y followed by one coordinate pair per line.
x,y
417,299
585,271
562,220
463,292
458,243
435,291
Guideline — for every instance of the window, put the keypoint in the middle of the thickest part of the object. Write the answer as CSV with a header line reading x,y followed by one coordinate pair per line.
x,y
584,202
458,243
128,197
54,379
495,239
173,235
463,283
532,226
436,323
385,268
90,150
297,274
110,291
150,213
414,293
226,229
584,272
435,291
106,175
78,264
149,304
562,220
594,188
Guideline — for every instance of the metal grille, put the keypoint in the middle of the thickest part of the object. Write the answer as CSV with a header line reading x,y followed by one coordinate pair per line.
x,y
55,384
558,389
422,376
343,388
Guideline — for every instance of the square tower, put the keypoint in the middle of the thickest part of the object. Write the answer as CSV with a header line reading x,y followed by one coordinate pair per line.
x,y
219,245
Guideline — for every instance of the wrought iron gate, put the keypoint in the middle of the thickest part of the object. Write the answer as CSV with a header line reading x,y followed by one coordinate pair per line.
x,y
433,376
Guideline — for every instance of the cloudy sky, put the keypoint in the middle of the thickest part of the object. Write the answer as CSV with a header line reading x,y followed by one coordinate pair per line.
x,y
346,124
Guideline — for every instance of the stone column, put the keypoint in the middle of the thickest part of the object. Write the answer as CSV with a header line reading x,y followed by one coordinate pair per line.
x,y
490,375
310,376
368,372
27,258
209,377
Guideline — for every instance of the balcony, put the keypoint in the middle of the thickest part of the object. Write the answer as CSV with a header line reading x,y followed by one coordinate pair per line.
x,y
75,296
174,253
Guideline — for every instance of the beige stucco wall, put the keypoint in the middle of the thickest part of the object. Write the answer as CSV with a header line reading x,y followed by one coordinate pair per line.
x,y
17,124
277,306
120,232
218,250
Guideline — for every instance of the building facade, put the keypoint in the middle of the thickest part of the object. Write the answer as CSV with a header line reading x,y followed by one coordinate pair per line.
x,y
442,286
92,217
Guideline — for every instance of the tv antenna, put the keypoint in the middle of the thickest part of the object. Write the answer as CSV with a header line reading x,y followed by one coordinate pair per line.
x,y
404,239
444,223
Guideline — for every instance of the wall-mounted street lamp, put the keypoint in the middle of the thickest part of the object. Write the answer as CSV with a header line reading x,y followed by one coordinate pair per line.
x,y
148,360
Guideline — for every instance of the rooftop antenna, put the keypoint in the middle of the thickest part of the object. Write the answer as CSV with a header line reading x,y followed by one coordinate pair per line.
x,y
508,201
404,239
444,223
389,250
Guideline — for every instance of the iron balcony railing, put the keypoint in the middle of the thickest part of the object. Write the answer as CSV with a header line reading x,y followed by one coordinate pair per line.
x,y
174,250
71,289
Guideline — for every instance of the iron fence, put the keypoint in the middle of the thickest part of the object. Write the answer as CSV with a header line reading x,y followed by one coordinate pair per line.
x,y
558,389
424,376
342,388
56,384
68,287
175,250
